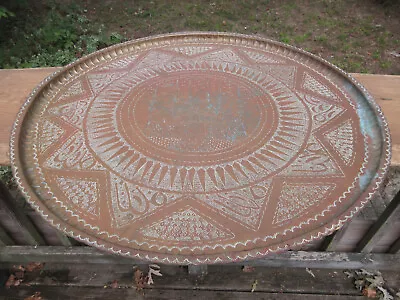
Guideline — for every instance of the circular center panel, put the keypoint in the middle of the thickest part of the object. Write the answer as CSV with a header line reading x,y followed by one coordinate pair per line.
x,y
193,117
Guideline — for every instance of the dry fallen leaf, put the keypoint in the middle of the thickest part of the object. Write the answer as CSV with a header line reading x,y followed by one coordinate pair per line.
x,y
385,294
254,286
19,267
114,284
18,272
248,269
371,283
369,292
35,296
308,270
34,266
153,270
140,280
12,281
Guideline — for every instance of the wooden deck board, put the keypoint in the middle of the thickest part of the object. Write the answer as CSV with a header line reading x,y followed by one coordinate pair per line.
x,y
88,281
222,282
289,259
21,293
16,84
219,278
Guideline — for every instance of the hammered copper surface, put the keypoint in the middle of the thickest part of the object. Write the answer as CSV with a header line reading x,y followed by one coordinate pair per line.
x,y
199,147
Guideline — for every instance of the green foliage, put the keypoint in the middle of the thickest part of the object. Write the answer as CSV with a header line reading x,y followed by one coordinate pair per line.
x,y
55,32
5,13
7,177
59,36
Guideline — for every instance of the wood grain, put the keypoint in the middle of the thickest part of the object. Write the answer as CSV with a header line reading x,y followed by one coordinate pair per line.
x,y
288,259
67,292
92,281
16,84
220,278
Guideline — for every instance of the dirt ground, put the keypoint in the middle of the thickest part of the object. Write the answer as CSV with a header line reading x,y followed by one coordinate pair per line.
x,y
356,35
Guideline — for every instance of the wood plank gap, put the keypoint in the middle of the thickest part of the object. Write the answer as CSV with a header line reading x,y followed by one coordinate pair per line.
x,y
331,242
25,225
5,239
375,233
395,247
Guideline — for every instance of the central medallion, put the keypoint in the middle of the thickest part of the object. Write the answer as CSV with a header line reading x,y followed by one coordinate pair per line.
x,y
197,113
192,118
212,129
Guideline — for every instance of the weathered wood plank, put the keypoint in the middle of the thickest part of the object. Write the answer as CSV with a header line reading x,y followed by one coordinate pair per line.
x,y
15,86
54,254
375,233
20,293
331,242
5,239
51,235
220,278
198,270
291,259
20,222
395,247
64,240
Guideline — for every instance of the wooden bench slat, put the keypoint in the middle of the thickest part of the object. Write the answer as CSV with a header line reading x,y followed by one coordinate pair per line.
x,y
376,232
5,239
66,292
220,278
16,84
17,220
288,259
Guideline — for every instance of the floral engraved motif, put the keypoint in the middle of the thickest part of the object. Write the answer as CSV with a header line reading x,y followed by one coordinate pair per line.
x,y
322,111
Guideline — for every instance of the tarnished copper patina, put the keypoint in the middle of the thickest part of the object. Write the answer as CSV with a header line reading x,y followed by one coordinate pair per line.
x,y
199,148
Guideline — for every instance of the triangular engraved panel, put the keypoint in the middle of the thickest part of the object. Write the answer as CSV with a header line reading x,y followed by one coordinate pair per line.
x,y
322,111
191,50
73,154
313,160
154,58
73,112
245,206
49,134
283,73
120,63
100,80
342,140
310,83
83,193
262,58
186,225
225,55
295,198
73,90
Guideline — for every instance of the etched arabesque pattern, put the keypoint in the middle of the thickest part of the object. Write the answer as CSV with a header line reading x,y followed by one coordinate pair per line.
x,y
239,192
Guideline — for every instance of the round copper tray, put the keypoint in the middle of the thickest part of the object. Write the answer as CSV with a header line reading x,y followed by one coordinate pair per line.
x,y
199,148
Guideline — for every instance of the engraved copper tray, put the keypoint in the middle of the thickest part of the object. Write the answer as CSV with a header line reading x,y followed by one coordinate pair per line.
x,y
199,148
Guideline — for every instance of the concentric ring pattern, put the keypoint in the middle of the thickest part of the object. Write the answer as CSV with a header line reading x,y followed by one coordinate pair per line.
x,y
199,148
